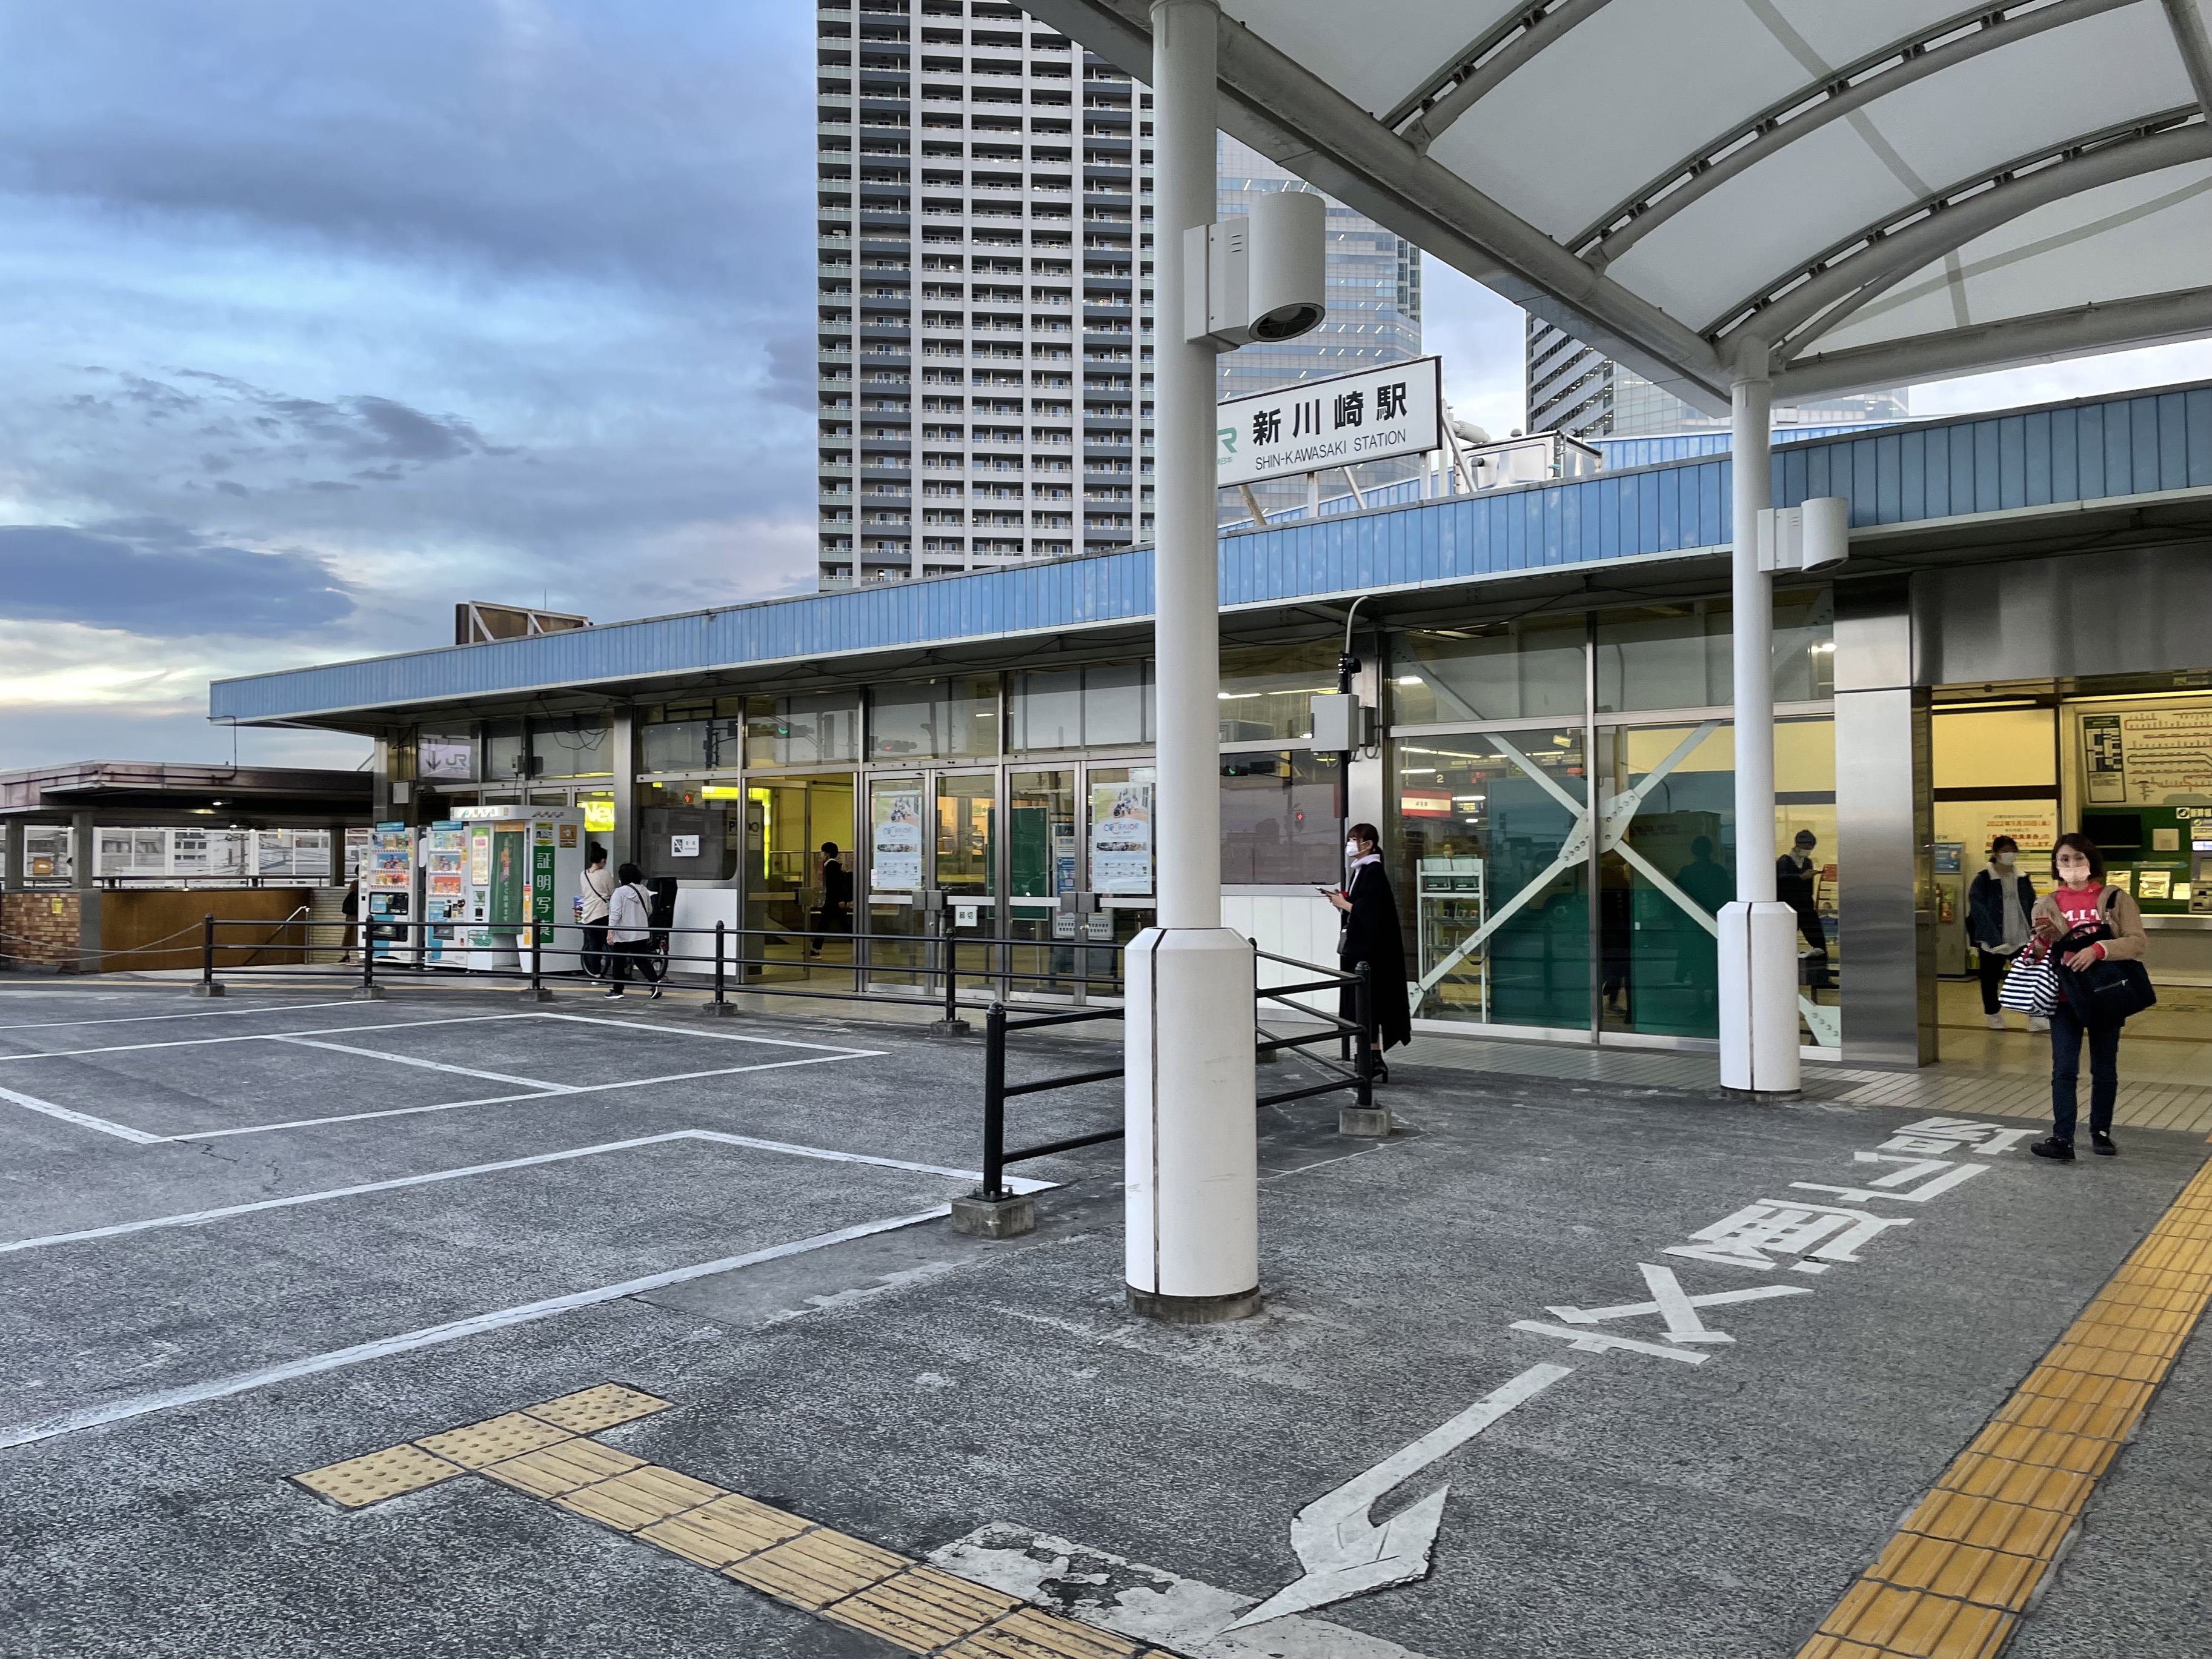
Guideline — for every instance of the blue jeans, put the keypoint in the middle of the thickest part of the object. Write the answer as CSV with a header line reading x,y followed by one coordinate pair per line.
x,y
2066,1033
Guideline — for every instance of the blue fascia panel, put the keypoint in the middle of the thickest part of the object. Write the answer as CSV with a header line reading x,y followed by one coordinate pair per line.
x,y
2081,451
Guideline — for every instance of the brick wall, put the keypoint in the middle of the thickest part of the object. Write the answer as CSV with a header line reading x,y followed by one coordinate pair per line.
x,y
40,930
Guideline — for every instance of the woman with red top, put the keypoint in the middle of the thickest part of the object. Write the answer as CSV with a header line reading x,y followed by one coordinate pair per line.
x,y
2082,900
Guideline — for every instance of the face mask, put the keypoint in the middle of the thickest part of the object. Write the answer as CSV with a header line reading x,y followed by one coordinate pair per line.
x,y
2005,858
1352,849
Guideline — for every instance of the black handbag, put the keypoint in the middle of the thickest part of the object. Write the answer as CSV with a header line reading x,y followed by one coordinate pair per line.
x,y
2104,992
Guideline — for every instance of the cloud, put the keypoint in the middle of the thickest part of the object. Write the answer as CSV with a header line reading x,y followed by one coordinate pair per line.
x,y
150,577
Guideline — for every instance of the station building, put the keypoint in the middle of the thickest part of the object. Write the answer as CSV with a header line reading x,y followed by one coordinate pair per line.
x,y
2018,643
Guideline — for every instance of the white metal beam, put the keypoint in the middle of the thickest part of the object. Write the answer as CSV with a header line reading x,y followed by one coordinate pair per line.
x,y
1294,117
2188,26
1913,58
2045,338
1476,79
1947,221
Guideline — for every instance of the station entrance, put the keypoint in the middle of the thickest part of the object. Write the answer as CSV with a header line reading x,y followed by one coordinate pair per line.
x,y
2128,761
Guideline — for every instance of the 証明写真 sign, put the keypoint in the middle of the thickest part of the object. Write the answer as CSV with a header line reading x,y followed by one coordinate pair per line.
x,y
1377,414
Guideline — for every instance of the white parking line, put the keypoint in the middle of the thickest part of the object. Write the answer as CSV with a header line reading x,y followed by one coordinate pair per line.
x,y
133,1019
407,1341
508,1100
410,1025
197,1217
82,1120
428,1065
257,1036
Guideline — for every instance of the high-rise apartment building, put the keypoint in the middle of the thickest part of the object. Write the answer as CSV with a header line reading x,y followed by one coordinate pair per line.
x,y
1374,279
1576,389
984,273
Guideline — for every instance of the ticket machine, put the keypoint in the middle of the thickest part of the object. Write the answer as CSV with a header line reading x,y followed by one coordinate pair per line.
x,y
521,871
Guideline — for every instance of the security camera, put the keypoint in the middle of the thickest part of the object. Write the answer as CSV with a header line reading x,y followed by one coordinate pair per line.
x,y
1260,279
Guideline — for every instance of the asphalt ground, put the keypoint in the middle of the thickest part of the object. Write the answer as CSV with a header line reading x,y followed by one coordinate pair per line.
x,y
909,1387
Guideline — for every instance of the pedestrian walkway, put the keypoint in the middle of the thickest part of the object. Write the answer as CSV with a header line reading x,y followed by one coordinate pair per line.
x,y
2015,1083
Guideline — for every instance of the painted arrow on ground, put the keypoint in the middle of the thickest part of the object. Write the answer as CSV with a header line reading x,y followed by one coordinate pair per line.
x,y
1344,1552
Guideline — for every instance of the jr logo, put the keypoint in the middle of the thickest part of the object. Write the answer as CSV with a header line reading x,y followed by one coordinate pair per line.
x,y
1227,436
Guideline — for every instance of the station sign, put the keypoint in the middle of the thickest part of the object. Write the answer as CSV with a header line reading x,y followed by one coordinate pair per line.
x,y
1374,415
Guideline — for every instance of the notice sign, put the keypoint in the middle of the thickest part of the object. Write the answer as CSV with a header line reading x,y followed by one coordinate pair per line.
x,y
683,846
896,864
1376,415
1121,837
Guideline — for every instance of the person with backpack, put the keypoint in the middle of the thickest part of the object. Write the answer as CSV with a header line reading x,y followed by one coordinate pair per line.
x,y
2081,926
629,930
1998,905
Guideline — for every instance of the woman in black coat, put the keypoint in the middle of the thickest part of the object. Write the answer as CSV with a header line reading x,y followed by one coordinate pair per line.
x,y
1372,935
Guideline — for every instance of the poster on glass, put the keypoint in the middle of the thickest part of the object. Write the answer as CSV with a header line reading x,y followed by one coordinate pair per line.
x,y
1122,838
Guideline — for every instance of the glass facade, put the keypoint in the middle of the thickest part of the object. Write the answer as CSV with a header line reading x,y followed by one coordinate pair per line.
x,y
1557,798
1568,875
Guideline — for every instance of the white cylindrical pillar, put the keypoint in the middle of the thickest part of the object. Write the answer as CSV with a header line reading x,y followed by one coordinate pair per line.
x,y
1185,581
1750,594
1191,1182
1758,936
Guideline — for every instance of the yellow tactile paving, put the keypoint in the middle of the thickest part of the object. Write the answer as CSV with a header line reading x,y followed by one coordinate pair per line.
x,y
544,1451
590,1410
475,1444
640,1498
1030,1634
360,1481
1953,1581
922,1610
817,1568
2057,1449
1981,1524
728,1529
555,1471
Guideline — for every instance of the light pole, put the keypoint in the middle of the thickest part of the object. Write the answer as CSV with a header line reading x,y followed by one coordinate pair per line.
x,y
1758,936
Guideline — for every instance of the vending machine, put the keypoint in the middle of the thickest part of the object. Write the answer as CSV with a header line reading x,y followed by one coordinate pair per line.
x,y
523,865
443,849
387,884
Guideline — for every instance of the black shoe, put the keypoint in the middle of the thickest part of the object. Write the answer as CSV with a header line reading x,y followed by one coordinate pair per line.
x,y
2051,1146
654,995
2101,1144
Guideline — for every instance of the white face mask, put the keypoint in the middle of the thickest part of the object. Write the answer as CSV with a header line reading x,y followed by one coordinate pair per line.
x,y
2005,858
1352,849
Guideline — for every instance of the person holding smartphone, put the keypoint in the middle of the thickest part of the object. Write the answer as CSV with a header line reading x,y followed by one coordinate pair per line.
x,y
2083,903
1372,935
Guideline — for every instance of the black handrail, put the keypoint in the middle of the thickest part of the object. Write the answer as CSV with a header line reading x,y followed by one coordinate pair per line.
x,y
939,953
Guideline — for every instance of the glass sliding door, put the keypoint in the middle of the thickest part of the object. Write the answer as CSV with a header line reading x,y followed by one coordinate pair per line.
x,y
1666,866
787,879
1490,863
899,838
1040,867
966,863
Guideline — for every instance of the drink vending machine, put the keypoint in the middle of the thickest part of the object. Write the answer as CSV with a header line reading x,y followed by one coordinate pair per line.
x,y
523,867
387,884
443,849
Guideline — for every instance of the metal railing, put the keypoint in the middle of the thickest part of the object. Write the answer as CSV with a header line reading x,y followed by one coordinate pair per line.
x,y
946,961
1358,1032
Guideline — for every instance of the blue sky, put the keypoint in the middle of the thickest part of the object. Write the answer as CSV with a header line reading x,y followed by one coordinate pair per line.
x,y
317,318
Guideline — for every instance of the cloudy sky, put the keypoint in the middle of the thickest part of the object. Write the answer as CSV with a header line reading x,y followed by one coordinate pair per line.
x,y
316,318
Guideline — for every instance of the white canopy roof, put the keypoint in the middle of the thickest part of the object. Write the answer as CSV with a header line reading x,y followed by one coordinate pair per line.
x,y
1880,191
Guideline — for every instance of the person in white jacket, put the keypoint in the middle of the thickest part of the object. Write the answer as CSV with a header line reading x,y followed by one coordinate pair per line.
x,y
594,889
629,929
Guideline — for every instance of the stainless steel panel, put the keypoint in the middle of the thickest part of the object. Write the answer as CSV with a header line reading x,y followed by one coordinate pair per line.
x,y
2131,611
1887,988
